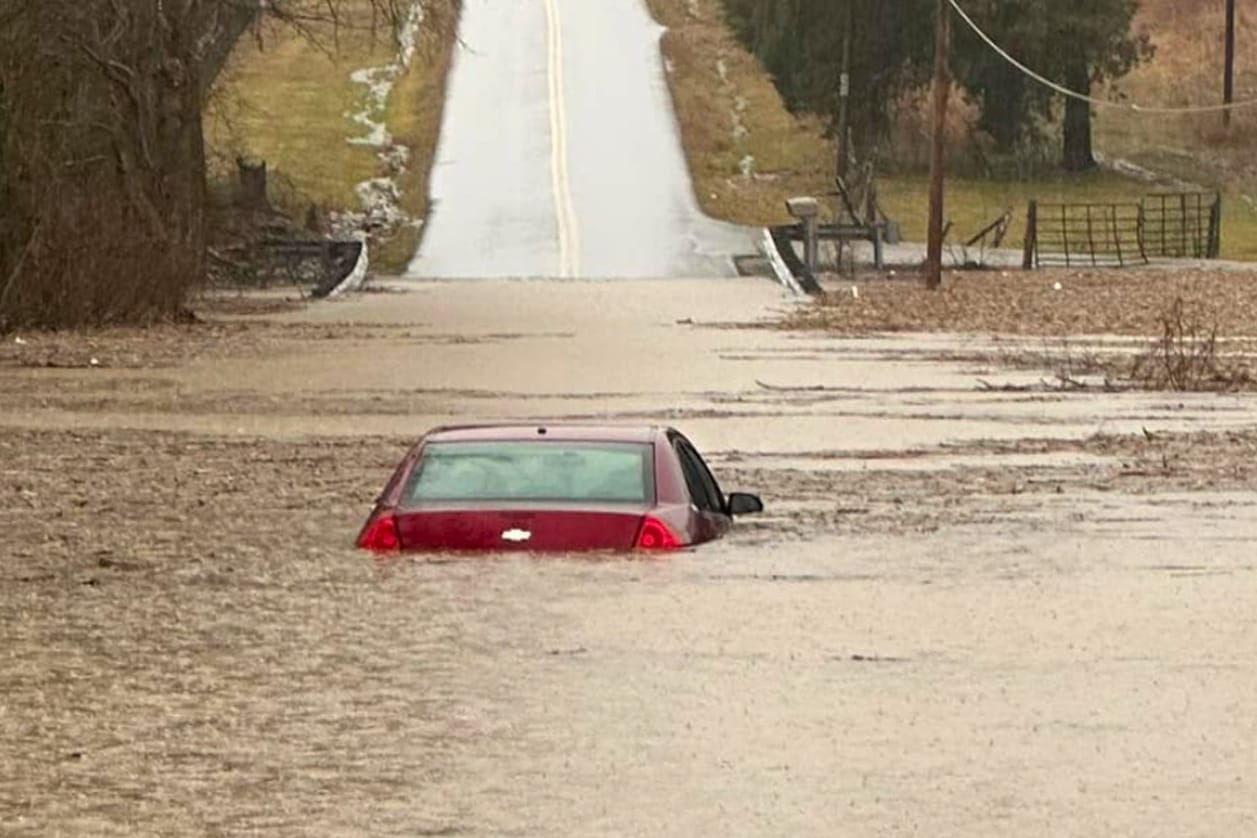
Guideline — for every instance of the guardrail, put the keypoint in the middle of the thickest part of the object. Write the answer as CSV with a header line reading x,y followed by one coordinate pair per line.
x,y
324,265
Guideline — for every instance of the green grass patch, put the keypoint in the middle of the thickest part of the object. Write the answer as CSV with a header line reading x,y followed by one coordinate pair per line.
x,y
414,116
290,103
730,112
972,204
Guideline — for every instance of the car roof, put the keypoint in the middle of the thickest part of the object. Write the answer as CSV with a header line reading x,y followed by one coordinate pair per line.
x,y
550,431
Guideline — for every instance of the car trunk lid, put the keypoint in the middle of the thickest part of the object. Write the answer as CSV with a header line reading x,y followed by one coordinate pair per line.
x,y
548,530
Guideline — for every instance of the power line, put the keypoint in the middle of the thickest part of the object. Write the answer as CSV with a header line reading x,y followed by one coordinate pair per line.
x,y
1074,94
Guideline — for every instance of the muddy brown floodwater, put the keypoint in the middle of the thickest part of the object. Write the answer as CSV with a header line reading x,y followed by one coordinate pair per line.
x,y
968,612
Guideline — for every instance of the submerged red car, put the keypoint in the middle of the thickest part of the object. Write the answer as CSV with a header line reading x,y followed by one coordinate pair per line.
x,y
551,488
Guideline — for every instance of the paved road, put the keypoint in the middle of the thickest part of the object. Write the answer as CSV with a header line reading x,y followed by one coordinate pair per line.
x,y
559,156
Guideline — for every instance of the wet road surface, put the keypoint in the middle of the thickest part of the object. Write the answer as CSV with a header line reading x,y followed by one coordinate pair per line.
x,y
559,153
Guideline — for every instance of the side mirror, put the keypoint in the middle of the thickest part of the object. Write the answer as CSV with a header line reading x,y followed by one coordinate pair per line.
x,y
741,503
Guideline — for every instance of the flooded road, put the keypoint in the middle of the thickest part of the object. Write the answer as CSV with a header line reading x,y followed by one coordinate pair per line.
x,y
964,614
864,687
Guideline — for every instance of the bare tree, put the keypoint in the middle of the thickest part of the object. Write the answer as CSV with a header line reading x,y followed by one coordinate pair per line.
x,y
102,158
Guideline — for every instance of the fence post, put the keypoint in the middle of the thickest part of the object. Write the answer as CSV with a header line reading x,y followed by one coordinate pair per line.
x,y
1091,238
1215,228
252,192
1117,237
1065,233
1165,244
1032,236
1141,223
1182,233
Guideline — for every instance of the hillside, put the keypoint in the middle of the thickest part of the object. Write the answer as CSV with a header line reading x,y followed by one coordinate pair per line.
x,y
305,103
748,153
1187,70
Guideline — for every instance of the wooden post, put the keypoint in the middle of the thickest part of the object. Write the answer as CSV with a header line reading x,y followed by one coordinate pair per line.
x,y
811,247
1091,237
1182,231
1141,231
1165,233
1228,79
253,186
1032,236
1215,228
942,88
1065,232
844,93
1117,237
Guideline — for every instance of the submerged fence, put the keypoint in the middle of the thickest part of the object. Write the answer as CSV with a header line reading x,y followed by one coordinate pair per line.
x,y
1161,226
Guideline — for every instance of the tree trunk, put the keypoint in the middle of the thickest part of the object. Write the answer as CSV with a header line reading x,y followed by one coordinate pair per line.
x,y
1001,113
1078,156
232,19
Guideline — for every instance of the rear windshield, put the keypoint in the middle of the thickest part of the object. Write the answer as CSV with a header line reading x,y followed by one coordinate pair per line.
x,y
597,472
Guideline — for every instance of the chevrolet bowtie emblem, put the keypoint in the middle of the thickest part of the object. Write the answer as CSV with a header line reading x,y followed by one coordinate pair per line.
x,y
516,536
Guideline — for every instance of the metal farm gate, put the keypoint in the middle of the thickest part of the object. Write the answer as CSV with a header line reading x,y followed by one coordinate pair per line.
x,y
1160,226
1098,235
1182,226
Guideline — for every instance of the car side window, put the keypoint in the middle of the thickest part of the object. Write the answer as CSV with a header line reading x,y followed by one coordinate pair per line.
x,y
692,482
709,480
702,485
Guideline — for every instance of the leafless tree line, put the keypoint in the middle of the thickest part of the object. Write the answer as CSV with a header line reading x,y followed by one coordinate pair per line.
x,y
102,158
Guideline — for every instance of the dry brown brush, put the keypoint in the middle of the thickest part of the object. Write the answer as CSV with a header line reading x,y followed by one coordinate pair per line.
x,y
1185,357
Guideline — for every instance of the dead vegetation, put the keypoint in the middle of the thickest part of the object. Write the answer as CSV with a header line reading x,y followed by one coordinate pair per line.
x,y
1186,357
1128,303
1160,330
898,500
59,518
1187,70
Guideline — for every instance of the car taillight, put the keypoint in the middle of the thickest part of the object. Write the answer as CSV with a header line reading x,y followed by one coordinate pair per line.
x,y
655,535
381,535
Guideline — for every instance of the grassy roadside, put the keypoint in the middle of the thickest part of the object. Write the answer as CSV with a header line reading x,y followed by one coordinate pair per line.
x,y
728,112
414,116
289,103
746,118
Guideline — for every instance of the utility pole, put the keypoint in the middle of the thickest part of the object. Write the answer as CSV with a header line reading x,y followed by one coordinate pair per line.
x,y
844,92
1228,80
942,88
